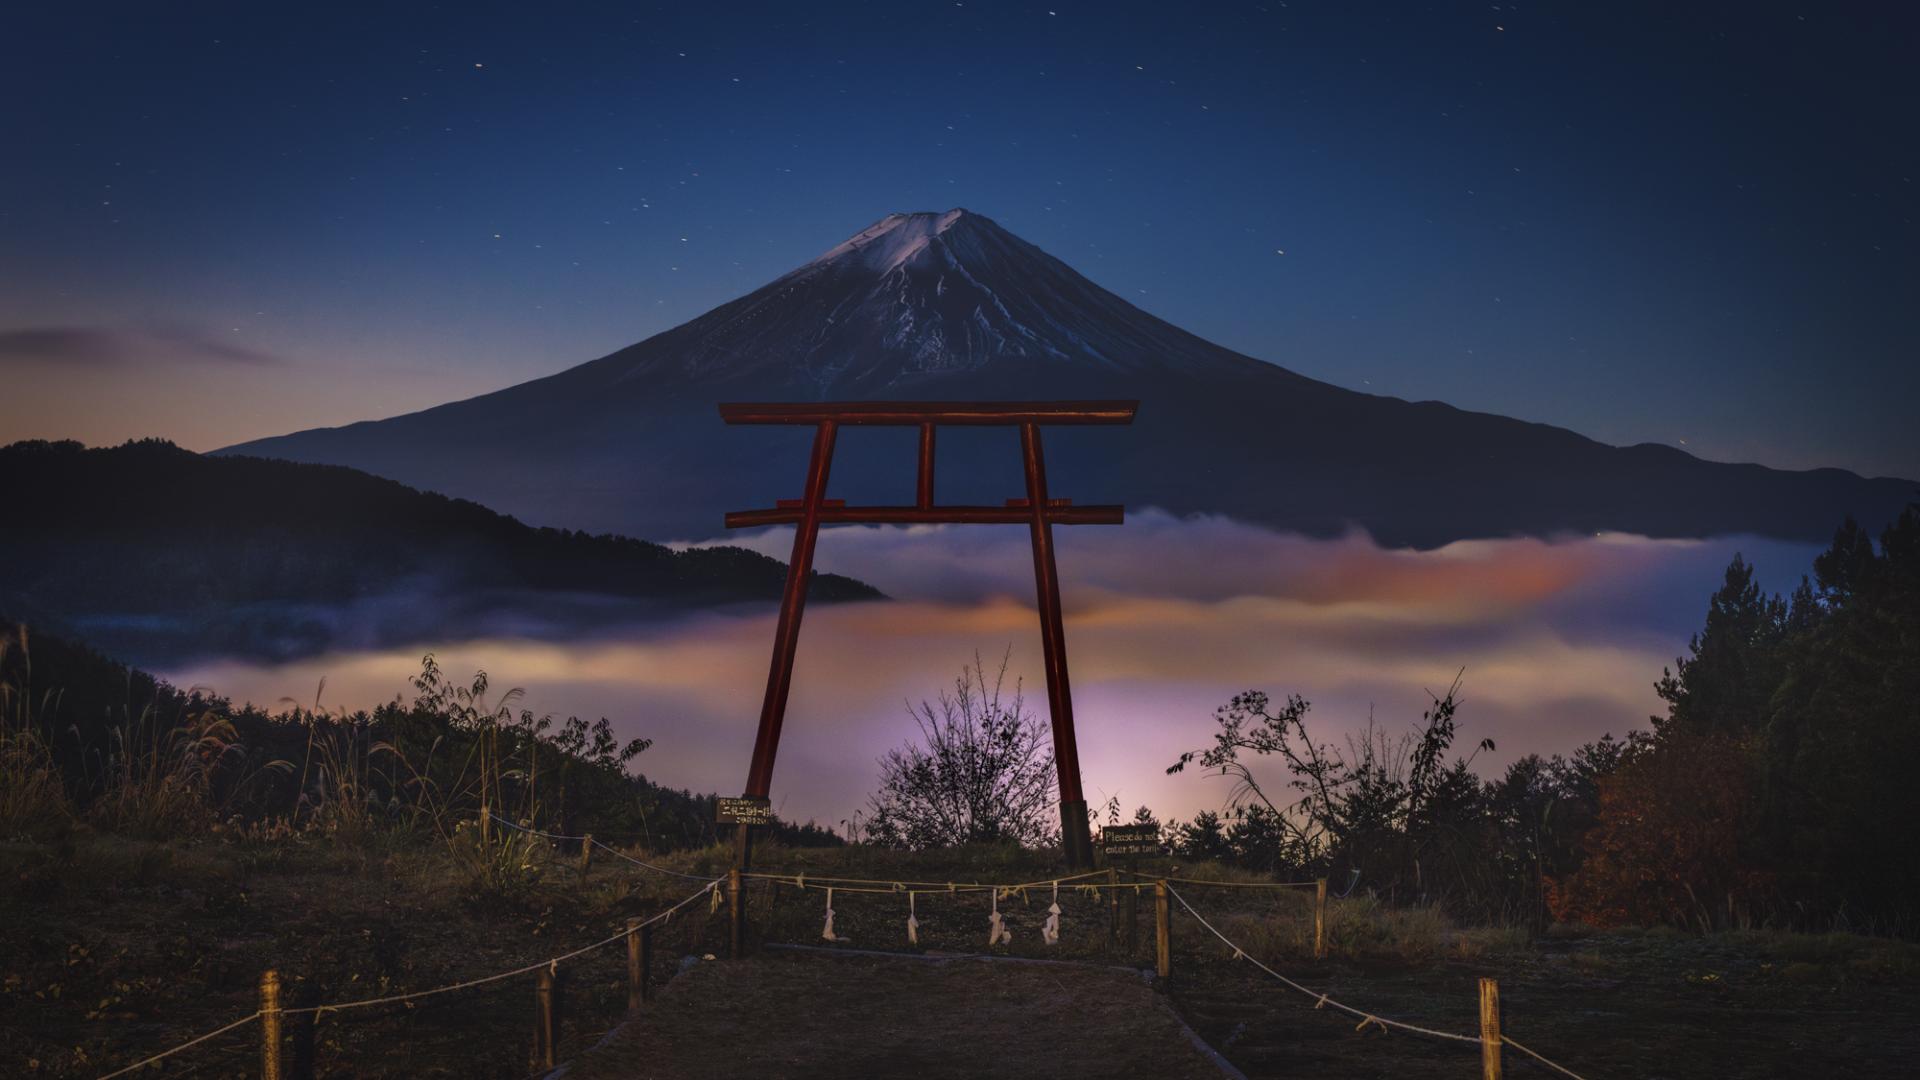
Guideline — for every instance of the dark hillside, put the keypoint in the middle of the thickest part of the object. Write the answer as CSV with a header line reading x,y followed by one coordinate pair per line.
x,y
150,548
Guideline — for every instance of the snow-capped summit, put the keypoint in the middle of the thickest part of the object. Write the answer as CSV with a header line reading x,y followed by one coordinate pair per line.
x,y
917,298
949,305
894,239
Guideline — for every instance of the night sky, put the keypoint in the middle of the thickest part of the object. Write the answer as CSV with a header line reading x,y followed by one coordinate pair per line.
x,y
1684,223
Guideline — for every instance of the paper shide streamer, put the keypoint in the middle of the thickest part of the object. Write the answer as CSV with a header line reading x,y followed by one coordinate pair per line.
x,y
997,932
913,923
1050,929
827,930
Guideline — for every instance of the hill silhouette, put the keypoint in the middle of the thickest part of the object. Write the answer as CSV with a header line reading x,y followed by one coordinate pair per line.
x,y
149,551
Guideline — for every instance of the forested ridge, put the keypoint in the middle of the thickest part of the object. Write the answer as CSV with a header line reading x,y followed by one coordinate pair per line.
x,y
220,547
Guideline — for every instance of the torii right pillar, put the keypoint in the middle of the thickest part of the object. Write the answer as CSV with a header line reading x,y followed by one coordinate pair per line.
x,y
1075,834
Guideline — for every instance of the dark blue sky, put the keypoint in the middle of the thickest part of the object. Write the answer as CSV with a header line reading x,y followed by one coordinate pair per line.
x,y
1646,222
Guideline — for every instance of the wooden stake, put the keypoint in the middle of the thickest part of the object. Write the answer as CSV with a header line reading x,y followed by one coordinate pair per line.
x,y
270,1026
646,962
736,915
1490,1029
486,825
586,854
736,899
1162,929
636,963
546,1017
1320,919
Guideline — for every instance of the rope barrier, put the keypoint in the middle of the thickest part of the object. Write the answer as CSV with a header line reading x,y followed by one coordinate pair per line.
x,y
1323,999
1366,1018
710,887
615,852
391,999
1555,1066
800,880
165,1054
1225,884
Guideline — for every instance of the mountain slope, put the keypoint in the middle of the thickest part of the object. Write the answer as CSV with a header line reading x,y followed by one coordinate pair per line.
x,y
157,551
951,306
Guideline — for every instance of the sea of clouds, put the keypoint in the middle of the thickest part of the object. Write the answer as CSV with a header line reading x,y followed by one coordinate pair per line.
x,y
1557,641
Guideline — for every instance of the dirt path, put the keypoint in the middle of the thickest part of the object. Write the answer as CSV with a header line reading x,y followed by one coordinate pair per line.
x,y
805,1014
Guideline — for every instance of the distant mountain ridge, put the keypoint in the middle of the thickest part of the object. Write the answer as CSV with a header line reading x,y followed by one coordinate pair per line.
x,y
160,552
950,306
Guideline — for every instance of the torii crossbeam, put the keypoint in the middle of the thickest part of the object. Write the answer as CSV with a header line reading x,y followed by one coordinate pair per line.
x,y
1038,511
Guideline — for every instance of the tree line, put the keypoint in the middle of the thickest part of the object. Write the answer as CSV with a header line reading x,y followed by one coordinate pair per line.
x,y
1778,788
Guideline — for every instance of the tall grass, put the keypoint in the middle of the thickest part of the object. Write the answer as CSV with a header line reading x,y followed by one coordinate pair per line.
x,y
498,769
33,796
156,778
149,776
338,794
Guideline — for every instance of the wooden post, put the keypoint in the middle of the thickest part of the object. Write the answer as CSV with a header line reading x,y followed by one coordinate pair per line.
x,y
546,1017
1162,929
1320,919
270,1026
486,825
736,915
646,962
737,902
1113,906
1490,1029
636,964
586,854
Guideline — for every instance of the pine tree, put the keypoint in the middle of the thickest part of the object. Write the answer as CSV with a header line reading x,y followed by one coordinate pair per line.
x,y
1724,687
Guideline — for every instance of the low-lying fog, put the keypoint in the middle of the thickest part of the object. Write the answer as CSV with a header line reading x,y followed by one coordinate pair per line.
x,y
1166,619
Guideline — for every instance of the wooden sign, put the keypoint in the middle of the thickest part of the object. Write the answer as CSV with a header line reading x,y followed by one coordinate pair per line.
x,y
743,811
1141,839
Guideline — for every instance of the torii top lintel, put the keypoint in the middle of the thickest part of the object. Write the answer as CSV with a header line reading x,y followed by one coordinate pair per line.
x,y
910,413
1038,511
928,415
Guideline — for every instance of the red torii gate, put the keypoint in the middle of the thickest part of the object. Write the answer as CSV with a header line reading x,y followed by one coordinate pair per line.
x,y
1040,512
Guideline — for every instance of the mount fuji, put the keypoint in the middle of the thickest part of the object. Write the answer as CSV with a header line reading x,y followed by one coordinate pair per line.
x,y
950,306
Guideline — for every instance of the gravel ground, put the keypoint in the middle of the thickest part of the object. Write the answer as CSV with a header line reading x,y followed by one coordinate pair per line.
x,y
810,1014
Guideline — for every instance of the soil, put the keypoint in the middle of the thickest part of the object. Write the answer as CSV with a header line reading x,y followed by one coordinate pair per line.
x,y
810,1016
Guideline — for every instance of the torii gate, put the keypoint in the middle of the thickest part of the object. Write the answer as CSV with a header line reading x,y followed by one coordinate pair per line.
x,y
1040,512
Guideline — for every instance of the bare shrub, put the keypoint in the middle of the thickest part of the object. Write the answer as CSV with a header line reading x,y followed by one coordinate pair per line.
x,y
982,772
